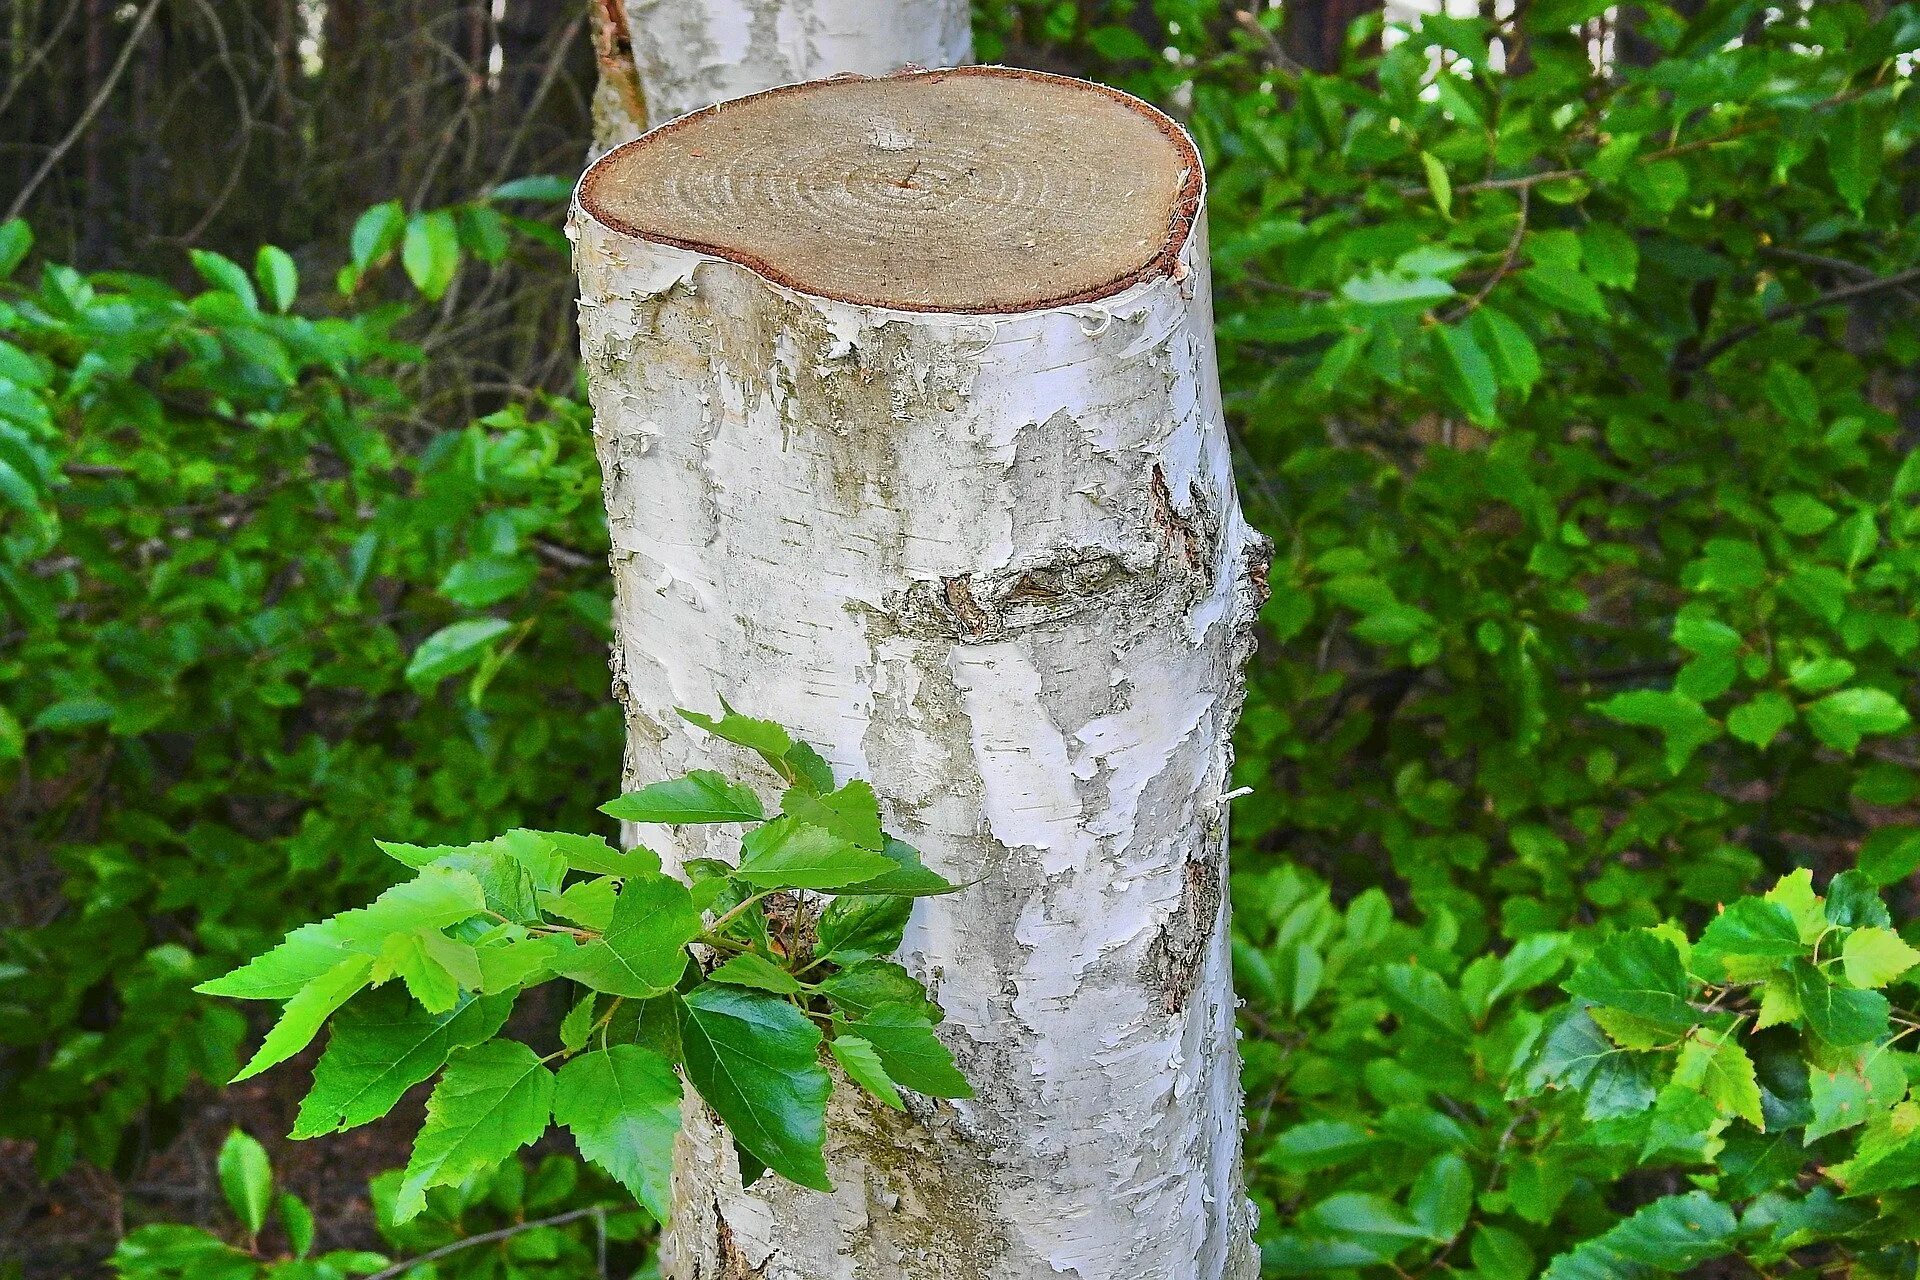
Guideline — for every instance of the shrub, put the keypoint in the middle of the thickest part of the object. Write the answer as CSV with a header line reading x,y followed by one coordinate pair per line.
x,y
254,612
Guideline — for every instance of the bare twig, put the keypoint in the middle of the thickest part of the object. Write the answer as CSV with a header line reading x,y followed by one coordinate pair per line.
x,y
489,1237
1847,293
81,125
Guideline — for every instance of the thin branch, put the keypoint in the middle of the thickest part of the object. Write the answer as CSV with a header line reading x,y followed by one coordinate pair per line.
x,y
81,125
489,1237
1848,293
1507,261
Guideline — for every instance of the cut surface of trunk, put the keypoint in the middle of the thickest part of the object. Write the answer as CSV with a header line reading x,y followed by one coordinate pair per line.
x,y
681,55
894,456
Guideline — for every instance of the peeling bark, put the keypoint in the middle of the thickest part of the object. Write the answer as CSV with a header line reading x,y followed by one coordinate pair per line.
x,y
995,565
663,58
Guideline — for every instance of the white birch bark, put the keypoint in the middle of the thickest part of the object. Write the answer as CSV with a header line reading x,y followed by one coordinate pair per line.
x,y
688,54
994,564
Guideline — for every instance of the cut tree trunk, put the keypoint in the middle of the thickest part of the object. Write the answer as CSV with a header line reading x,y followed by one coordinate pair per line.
x,y
905,399
663,58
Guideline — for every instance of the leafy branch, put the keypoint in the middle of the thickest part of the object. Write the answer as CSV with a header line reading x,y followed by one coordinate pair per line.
x,y
688,982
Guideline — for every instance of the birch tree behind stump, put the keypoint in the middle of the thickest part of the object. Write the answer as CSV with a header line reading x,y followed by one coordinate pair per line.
x,y
905,398
663,58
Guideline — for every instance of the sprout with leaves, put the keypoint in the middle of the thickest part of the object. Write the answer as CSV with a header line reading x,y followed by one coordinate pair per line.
x,y
732,981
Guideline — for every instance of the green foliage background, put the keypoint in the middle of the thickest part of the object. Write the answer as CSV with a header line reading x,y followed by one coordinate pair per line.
x,y
1582,409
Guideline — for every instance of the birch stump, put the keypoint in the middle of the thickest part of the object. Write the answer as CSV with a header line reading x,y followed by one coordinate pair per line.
x,y
905,398
663,58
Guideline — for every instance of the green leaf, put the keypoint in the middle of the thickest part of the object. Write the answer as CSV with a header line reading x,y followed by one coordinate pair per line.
x,y
278,275
1565,289
16,238
452,649
1795,892
859,927
701,796
587,903
434,968
1363,1213
871,983
1515,358
863,1066
850,812
1442,1196
431,252
1760,719
754,1059
577,1026
595,856
1714,1065
1639,972
908,876
764,737
1499,1254
1872,1081
1748,927
539,186
1467,373
1854,901
1438,184
1856,140
303,1015
1392,289
1682,724
377,1052
1673,1234
912,1054
297,1219
494,1099
1875,956
1841,719
622,1105
1423,998
642,954
1838,1015
246,1178
786,853
223,272
377,232
751,969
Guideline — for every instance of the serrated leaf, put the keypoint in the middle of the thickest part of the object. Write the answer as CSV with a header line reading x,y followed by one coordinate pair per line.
x,y
302,1016
911,1053
907,877
1839,1015
595,856
1794,891
1672,1234
376,1053
587,903
1640,972
622,1105
872,983
701,796
1466,372
642,953
851,812
494,1099
1872,1081
1874,956
763,737
246,1179
1853,901
751,969
859,927
578,1024
863,1066
1714,1065
786,853
754,1059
